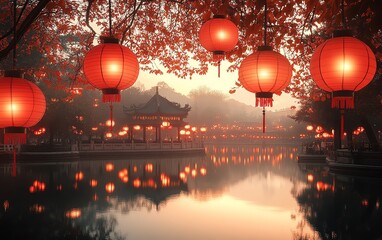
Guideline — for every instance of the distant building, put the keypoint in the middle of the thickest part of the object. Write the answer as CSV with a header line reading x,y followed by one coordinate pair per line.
x,y
157,113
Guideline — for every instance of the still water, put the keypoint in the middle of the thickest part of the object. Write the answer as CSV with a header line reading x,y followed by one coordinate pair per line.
x,y
233,192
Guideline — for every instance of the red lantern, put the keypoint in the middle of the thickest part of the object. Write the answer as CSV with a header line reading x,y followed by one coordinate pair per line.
x,y
111,68
22,105
265,72
218,35
342,65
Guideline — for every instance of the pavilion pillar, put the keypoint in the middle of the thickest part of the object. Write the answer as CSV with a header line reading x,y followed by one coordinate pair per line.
x,y
179,134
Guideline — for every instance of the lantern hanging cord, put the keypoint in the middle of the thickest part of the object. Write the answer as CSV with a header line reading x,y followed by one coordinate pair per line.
x,y
265,22
14,32
110,18
343,14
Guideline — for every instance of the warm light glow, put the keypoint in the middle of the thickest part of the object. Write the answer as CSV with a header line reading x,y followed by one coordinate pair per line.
x,y
149,168
203,171
182,132
79,176
108,134
109,122
137,183
187,169
187,126
165,180
182,175
309,127
194,129
94,128
165,124
109,167
93,183
344,66
310,177
137,127
122,133
74,213
203,129
125,128
114,67
110,187
194,172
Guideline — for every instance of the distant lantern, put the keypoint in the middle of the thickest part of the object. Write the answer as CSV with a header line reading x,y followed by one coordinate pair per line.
x,y
265,72
343,65
218,35
22,105
111,68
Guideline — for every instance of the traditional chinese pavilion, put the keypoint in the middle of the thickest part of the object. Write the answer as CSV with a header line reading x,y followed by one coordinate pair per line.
x,y
157,113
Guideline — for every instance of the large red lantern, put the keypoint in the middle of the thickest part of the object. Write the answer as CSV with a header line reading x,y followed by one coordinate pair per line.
x,y
22,105
111,68
265,72
342,65
218,35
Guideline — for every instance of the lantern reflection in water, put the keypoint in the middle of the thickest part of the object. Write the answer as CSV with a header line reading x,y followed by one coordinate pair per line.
x,y
93,183
73,213
110,187
79,176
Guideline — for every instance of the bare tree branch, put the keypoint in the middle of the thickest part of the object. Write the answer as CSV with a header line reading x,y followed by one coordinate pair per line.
x,y
90,2
25,25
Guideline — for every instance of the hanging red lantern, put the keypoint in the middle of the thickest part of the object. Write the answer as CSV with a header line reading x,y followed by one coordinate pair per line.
x,y
111,68
22,105
218,35
265,72
343,65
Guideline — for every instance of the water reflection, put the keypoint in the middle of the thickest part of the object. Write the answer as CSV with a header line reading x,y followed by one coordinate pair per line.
x,y
233,192
341,207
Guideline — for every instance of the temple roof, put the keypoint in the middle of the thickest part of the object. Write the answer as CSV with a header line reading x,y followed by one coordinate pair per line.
x,y
158,105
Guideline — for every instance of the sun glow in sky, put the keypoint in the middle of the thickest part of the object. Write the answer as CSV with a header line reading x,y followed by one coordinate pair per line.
x,y
213,82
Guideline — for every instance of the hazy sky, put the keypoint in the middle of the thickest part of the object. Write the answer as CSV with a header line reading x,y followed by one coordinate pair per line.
x,y
211,80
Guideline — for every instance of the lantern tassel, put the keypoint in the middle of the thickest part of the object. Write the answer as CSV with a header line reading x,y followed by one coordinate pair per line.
x,y
264,102
111,97
343,102
15,138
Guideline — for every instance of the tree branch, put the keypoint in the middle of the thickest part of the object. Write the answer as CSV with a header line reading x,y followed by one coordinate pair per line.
x,y
25,25
87,15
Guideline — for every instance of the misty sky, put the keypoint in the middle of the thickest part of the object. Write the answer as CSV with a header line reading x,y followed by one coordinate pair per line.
x,y
211,80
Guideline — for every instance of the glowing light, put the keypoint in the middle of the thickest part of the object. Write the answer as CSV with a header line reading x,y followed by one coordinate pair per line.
x,y
187,169
108,134
110,187
194,172
203,171
79,176
109,167
309,127
137,127
74,213
310,177
109,123
93,183
149,167
137,183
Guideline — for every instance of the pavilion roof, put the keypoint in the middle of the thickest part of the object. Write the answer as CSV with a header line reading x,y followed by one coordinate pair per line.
x,y
158,105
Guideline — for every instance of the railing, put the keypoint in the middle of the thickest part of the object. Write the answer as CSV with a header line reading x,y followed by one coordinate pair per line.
x,y
6,147
139,146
